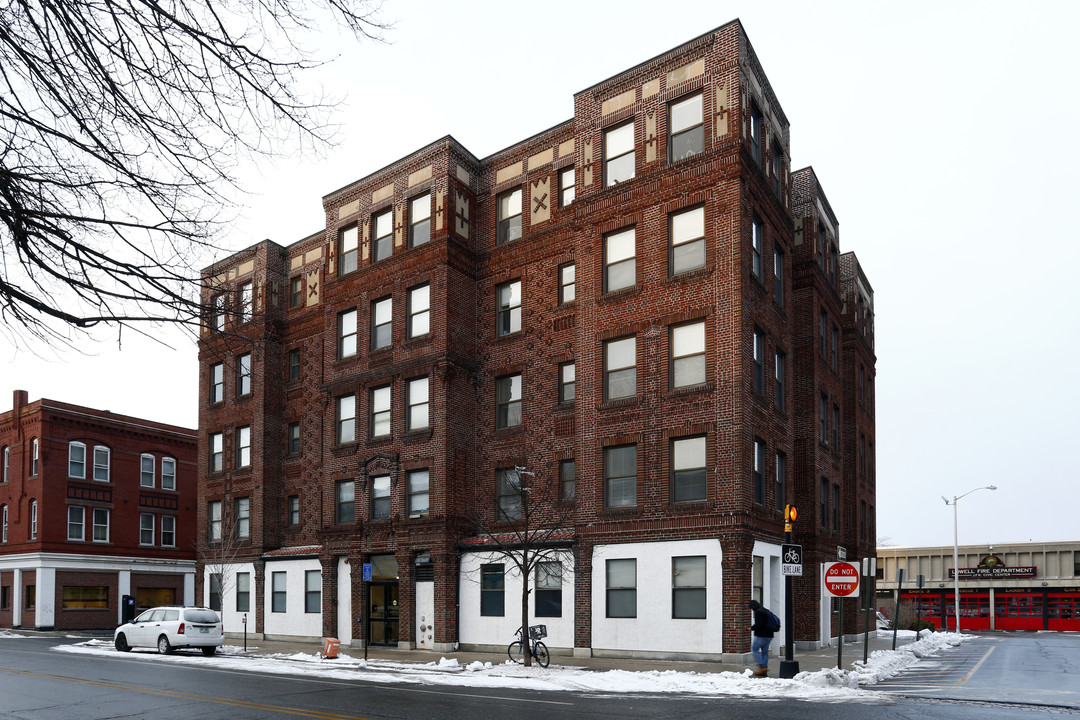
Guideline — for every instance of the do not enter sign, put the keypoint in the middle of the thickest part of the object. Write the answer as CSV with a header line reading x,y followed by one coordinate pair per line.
x,y
841,579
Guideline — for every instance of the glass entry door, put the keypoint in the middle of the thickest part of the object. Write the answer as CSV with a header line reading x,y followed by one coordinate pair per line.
x,y
383,613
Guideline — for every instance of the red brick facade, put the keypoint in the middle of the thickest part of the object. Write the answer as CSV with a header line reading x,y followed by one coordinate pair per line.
x,y
726,294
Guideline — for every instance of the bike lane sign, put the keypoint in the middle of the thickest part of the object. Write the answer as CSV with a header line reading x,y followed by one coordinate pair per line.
x,y
791,560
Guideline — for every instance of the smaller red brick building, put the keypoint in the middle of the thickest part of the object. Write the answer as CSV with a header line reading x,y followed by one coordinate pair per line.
x,y
94,506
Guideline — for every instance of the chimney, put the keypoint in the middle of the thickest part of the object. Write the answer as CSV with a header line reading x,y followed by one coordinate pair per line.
x,y
18,400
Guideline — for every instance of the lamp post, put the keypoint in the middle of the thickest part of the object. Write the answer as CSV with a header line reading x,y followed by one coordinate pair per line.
x,y
956,549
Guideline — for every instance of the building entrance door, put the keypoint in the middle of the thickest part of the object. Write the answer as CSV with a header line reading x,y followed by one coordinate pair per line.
x,y
383,613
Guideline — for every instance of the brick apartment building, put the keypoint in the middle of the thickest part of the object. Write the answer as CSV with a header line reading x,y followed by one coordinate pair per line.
x,y
93,506
642,306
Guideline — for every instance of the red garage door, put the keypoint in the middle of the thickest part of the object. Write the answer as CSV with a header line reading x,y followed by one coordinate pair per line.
x,y
1063,611
1017,611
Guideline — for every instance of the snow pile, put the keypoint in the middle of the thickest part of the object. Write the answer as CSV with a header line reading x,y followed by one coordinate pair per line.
x,y
9,634
884,663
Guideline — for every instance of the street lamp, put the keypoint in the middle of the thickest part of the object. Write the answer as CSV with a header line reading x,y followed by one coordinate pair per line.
x,y
956,549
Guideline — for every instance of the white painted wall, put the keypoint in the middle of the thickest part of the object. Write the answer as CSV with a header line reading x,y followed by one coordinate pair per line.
x,y
232,620
294,621
654,630
425,615
345,617
773,591
476,629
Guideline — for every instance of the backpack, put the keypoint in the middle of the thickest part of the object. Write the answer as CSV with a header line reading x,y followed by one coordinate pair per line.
x,y
774,622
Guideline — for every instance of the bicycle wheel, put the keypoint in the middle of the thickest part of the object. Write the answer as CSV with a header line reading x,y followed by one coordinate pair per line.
x,y
542,654
515,653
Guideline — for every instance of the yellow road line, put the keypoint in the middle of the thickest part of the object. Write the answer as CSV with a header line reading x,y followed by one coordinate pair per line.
x,y
976,667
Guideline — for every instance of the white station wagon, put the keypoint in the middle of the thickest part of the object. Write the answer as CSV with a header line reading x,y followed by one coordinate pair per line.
x,y
169,628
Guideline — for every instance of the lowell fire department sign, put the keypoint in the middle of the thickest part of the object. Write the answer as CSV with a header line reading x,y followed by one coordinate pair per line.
x,y
991,566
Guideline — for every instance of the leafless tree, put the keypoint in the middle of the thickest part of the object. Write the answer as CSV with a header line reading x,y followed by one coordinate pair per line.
x,y
122,125
219,555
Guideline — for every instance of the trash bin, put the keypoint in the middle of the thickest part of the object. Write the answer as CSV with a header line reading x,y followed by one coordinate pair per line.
x,y
331,648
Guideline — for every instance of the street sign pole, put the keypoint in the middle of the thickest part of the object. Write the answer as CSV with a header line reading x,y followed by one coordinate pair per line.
x,y
789,667
841,580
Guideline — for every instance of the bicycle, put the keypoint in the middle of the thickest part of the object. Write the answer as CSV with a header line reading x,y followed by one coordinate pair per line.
x,y
537,649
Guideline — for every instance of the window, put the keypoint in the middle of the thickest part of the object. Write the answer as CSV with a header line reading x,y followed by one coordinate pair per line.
x,y
823,499
492,590
213,520
778,276
101,463
243,375
620,368
509,221
76,460
508,494
35,448
621,576
168,531
243,518
778,170
293,441
548,589
567,382
508,312
78,597
147,467
217,444
380,411
823,419
168,474
243,446
294,364
384,236
686,125
296,291
619,162
567,479
346,327
508,401
780,361
217,382
620,476
346,419
419,309
215,592
566,186
419,484
345,502
277,592
244,306
7,464
419,220
688,355
76,520
757,247
243,592
757,578
823,324
836,428
313,590
567,284
688,587
217,314
146,528
31,597
781,480
836,508
688,476
417,392
835,348
33,519
759,471
620,265
5,597
687,232
348,249
757,133
380,497
3,523
294,511
382,316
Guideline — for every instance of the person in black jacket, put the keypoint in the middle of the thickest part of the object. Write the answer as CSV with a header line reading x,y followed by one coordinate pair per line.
x,y
762,638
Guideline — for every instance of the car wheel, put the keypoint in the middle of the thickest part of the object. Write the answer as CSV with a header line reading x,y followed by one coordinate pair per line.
x,y
122,643
209,651
163,646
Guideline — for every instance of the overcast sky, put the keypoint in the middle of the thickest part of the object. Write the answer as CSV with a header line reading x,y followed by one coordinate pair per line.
x,y
945,137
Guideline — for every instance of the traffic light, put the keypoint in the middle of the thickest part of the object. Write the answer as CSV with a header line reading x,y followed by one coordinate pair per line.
x,y
790,513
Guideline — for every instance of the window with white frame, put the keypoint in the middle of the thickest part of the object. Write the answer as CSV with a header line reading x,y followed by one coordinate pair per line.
x,y
419,310
687,232
508,308
245,304
687,127
419,220
217,451
345,422
380,497
382,317
508,401
688,355
688,469
548,589
492,590
101,525
243,446
380,411
567,382
278,585
620,476
567,284
419,487
619,164
3,523
213,521
384,236
146,528
345,502
243,375
76,460
688,587
33,519
418,415
348,249
147,470
620,261
243,592
168,474
621,588
312,591
620,368
243,518
76,522
346,333
507,494
566,186
217,382
168,531
7,463
35,450
509,220
214,591
217,314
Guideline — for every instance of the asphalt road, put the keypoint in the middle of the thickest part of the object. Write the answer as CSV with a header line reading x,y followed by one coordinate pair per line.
x,y
37,683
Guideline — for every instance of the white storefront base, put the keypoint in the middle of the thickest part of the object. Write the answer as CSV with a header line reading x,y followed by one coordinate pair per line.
x,y
294,622
345,617
231,618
